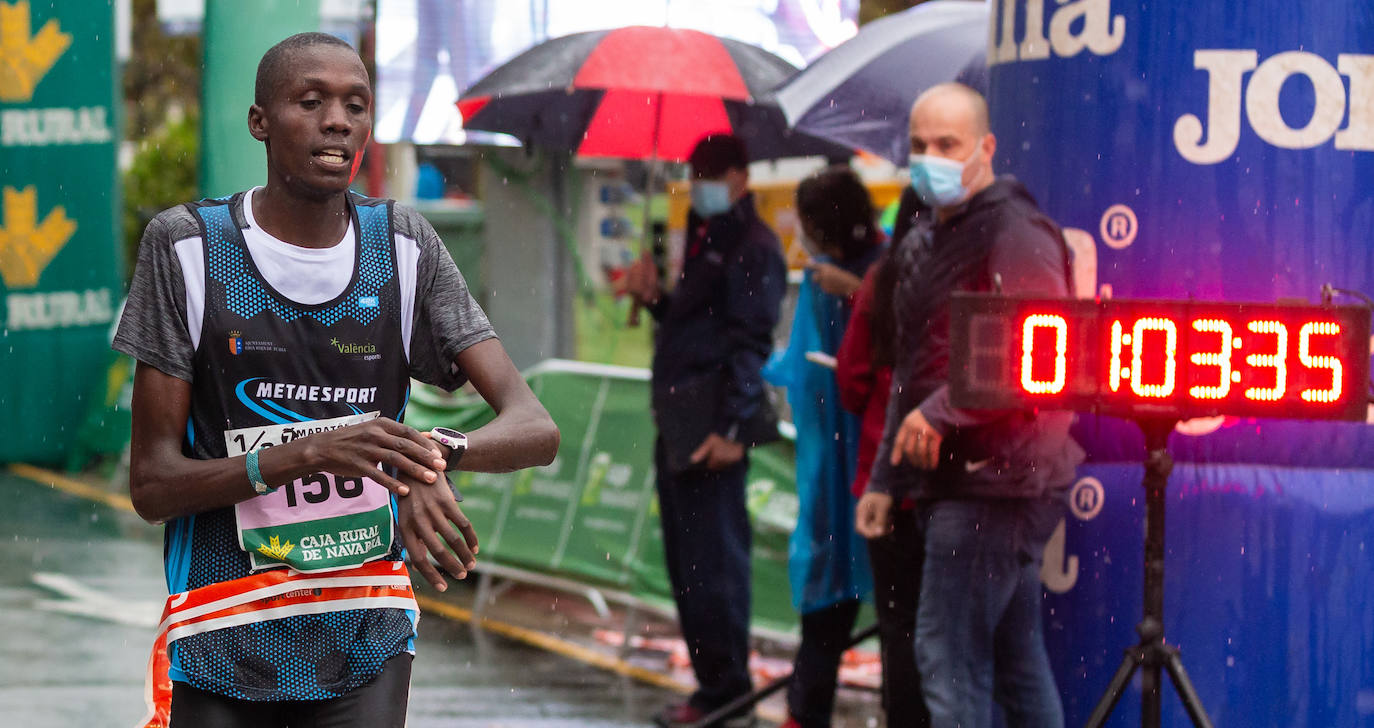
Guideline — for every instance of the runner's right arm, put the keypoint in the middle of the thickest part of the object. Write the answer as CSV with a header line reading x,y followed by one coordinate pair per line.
x,y
165,484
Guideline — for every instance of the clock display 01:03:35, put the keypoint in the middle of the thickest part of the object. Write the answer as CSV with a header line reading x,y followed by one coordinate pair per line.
x,y
1161,358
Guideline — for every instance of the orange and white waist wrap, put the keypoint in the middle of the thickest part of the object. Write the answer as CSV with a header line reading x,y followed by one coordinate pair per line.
x,y
262,597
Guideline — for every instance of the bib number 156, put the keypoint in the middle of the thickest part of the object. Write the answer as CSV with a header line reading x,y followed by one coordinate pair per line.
x,y
319,487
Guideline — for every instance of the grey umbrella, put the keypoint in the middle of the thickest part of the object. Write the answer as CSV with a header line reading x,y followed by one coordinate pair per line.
x,y
860,93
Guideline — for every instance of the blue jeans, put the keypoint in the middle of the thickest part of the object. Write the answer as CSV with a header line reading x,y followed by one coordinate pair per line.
x,y
706,544
979,634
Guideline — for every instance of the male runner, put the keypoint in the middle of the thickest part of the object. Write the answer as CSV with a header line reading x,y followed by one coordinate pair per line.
x,y
276,333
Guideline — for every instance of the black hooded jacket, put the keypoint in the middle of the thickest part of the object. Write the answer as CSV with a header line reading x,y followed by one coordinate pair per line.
x,y
1000,231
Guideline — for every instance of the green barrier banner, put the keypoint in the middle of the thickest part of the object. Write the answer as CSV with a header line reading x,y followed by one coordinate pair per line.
x,y
592,515
59,259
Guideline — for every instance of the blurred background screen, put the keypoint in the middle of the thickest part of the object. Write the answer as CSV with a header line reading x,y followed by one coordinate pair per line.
x,y
428,51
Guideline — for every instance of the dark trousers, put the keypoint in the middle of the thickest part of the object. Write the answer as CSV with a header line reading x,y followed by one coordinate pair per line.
x,y
897,560
824,634
378,704
706,544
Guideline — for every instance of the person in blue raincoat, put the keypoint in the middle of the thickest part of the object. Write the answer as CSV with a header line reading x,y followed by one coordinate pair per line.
x,y
827,559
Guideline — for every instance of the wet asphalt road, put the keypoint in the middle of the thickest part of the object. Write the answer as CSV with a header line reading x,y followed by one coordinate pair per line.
x,y
81,588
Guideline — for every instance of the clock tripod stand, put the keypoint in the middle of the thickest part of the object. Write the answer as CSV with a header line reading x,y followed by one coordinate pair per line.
x,y
1151,655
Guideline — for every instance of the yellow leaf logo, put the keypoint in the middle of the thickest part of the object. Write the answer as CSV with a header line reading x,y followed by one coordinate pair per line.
x,y
25,58
275,549
26,247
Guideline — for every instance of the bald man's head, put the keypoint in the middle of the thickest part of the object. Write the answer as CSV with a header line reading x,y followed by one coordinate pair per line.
x,y
960,97
950,121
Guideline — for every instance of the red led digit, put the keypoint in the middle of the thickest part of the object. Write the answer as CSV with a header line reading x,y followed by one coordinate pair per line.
x,y
1061,341
1330,363
1278,361
1219,359
1115,374
1170,330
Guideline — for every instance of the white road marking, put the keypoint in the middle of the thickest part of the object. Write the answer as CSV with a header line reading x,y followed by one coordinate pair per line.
x,y
83,601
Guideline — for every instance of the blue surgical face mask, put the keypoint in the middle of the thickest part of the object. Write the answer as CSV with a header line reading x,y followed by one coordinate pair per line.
x,y
710,198
939,182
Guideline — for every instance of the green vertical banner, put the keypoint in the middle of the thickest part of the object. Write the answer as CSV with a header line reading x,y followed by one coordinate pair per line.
x,y
236,35
592,515
59,194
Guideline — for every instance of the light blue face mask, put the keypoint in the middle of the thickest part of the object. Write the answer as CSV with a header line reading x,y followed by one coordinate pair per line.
x,y
939,182
710,198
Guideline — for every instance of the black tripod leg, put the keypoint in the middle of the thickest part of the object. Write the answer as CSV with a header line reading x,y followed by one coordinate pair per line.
x,y
1109,699
1151,711
1186,694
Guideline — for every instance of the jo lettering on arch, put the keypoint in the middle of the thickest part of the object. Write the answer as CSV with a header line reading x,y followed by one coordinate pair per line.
x,y
1226,86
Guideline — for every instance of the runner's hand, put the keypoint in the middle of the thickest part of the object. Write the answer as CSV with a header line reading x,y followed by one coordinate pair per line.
x,y
355,451
873,515
917,442
430,518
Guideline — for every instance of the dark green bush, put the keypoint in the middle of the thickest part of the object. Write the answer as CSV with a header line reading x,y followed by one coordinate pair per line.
x,y
165,172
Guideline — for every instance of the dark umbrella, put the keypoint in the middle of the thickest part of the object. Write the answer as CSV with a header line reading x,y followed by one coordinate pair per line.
x,y
638,93
860,93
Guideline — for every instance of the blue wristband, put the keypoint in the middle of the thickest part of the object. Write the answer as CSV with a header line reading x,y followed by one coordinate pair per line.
x,y
250,462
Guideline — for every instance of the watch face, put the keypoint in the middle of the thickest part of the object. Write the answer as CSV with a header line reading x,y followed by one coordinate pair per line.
x,y
448,432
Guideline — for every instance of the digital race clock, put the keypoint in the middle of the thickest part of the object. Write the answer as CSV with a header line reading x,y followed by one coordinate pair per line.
x,y
1160,358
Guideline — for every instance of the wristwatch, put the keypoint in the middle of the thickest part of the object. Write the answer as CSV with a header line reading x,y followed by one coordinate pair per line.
x,y
455,441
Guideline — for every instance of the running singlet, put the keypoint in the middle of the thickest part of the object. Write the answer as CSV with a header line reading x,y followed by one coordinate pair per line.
x,y
268,370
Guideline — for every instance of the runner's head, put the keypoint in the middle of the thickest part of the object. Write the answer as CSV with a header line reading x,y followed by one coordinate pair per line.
x,y
313,111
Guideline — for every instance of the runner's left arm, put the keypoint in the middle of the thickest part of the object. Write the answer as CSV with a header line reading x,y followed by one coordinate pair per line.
x,y
522,435
453,343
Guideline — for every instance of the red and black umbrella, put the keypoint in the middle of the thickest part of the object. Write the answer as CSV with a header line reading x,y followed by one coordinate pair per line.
x,y
639,93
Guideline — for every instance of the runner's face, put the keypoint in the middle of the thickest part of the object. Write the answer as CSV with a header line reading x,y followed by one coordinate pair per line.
x,y
317,121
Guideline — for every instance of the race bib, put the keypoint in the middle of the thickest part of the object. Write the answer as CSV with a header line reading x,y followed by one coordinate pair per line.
x,y
321,522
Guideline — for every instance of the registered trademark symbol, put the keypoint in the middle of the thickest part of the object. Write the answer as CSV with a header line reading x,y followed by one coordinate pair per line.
x,y
1086,497
1119,226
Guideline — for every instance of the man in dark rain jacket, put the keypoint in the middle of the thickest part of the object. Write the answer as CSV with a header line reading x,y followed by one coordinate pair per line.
x,y
714,334
988,484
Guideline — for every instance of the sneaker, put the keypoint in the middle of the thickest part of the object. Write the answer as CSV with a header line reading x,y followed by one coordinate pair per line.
x,y
682,715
